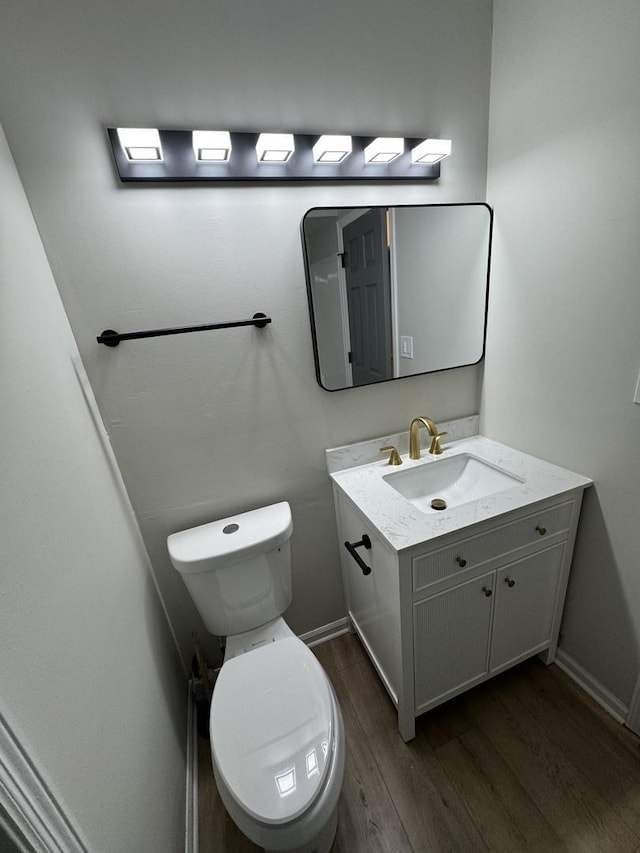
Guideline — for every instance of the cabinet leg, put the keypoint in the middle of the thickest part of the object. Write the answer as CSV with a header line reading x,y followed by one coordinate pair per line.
x,y
406,725
549,655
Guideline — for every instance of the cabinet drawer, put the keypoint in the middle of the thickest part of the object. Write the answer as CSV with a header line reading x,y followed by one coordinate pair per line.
x,y
535,529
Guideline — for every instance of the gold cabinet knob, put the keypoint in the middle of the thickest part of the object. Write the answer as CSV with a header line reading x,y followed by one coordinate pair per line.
x,y
509,582
487,591
541,530
461,562
394,458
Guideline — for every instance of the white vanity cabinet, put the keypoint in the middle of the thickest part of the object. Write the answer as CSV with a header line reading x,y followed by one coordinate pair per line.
x,y
440,616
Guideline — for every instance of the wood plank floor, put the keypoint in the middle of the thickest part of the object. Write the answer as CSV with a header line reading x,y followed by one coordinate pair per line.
x,y
524,762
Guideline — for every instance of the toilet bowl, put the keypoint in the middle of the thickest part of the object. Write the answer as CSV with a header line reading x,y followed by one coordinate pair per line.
x,y
277,737
277,746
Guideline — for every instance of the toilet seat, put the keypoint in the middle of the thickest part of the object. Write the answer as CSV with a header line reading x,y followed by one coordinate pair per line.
x,y
272,730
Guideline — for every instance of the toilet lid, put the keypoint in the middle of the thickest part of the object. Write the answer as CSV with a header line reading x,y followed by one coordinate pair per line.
x,y
271,729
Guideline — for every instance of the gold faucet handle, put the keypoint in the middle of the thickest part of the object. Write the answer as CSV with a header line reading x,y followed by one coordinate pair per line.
x,y
435,448
394,458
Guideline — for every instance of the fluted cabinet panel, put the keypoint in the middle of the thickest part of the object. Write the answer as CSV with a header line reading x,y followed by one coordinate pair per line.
x,y
526,593
451,639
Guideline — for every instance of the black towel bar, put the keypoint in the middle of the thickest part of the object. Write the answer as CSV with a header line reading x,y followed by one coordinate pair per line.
x,y
112,339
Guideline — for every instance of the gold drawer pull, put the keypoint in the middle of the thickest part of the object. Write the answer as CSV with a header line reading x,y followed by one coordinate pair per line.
x,y
509,582
461,562
487,591
541,530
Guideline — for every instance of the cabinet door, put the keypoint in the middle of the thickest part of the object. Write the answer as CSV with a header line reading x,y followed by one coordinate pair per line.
x,y
526,593
451,640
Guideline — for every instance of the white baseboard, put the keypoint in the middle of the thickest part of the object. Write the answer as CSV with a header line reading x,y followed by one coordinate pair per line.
x,y
33,811
590,685
191,804
633,717
326,632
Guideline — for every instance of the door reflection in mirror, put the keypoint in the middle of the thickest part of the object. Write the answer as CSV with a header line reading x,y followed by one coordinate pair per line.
x,y
396,291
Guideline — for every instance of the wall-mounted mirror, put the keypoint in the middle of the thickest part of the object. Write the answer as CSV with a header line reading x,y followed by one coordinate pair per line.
x,y
396,291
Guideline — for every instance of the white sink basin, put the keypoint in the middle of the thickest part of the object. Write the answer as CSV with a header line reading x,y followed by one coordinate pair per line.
x,y
455,480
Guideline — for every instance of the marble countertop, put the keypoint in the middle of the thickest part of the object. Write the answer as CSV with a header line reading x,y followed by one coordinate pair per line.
x,y
403,526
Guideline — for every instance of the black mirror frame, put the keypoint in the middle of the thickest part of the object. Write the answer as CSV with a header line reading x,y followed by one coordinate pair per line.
x,y
314,338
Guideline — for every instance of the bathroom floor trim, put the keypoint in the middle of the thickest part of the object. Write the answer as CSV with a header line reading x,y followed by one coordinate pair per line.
x,y
34,812
632,720
326,632
592,686
191,803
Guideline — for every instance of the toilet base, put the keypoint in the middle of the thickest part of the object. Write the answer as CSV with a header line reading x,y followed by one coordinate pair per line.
x,y
322,843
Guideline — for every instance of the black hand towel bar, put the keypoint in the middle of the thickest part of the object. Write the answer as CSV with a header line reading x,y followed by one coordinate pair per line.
x,y
112,339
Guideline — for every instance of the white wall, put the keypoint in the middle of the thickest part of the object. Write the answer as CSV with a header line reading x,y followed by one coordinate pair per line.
x,y
563,349
90,674
209,424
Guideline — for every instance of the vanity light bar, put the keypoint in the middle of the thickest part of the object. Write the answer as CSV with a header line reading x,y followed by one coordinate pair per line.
x,y
152,155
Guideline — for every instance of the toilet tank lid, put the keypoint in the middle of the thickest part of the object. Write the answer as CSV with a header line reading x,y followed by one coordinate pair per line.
x,y
231,539
272,729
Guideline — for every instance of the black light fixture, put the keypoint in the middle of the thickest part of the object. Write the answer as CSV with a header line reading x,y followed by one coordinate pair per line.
x,y
152,155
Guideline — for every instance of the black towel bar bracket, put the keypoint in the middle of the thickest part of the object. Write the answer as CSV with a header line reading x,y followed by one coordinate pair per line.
x,y
111,339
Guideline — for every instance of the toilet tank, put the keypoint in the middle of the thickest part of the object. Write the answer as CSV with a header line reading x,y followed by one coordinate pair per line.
x,y
237,569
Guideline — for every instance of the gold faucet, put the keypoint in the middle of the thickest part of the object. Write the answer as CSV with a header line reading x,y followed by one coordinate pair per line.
x,y
414,437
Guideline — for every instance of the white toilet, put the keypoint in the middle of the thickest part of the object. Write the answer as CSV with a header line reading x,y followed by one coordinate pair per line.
x,y
277,739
